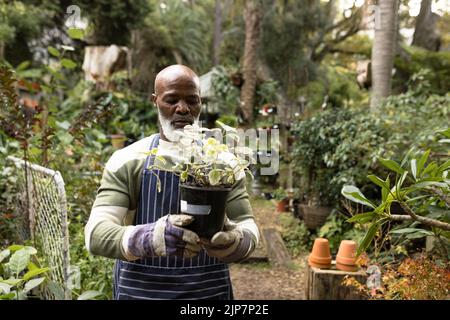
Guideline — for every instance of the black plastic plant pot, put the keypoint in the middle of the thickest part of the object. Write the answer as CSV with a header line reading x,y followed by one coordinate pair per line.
x,y
207,205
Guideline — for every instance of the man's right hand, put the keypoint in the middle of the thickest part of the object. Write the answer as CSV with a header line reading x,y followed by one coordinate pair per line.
x,y
165,237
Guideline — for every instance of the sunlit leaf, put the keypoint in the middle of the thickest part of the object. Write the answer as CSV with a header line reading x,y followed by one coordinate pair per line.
x,y
19,261
384,191
67,48
184,175
8,296
15,247
378,181
4,254
368,237
53,51
23,65
410,230
68,63
12,281
422,161
354,194
445,132
33,283
214,177
392,165
34,272
414,168
75,33
4,288
362,218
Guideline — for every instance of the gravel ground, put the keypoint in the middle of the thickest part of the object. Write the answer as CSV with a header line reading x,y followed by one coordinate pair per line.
x,y
261,281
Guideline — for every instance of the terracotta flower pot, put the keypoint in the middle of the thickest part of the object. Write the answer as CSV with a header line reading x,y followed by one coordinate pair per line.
x,y
118,140
282,205
346,257
320,256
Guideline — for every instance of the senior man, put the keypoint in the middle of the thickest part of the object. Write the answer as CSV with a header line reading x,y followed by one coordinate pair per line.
x,y
157,257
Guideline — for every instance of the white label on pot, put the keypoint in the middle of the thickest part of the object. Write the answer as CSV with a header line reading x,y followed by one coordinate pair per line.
x,y
183,206
194,209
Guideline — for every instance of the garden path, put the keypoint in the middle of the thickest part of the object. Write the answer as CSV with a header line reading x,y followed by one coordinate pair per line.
x,y
261,280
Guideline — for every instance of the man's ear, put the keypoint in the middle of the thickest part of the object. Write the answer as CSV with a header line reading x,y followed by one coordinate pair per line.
x,y
154,97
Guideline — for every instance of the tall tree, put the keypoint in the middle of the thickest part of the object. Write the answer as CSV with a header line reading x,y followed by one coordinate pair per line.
x,y
253,15
217,32
426,34
383,50
113,20
180,32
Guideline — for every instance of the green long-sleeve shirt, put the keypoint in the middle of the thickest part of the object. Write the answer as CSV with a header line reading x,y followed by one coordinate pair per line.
x,y
117,200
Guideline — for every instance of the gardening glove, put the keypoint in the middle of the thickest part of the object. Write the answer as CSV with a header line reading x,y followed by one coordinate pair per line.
x,y
165,237
231,245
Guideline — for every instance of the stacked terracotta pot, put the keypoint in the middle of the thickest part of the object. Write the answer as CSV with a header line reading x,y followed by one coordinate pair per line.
x,y
320,256
346,257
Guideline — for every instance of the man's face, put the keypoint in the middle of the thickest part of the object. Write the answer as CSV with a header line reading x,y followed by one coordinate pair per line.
x,y
178,100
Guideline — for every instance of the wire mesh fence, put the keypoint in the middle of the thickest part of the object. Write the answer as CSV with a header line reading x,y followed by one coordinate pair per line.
x,y
43,206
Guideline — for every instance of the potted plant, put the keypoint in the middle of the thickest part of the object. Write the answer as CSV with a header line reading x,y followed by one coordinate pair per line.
x,y
283,200
207,169
314,175
316,208
118,140
118,136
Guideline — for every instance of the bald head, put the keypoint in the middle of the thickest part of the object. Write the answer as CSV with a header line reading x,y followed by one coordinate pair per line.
x,y
177,97
175,73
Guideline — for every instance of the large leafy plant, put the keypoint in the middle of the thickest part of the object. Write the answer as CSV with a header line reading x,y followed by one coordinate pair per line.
x,y
22,277
421,189
205,161
20,274
333,148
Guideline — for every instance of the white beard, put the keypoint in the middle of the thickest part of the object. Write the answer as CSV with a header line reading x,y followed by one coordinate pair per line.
x,y
170,132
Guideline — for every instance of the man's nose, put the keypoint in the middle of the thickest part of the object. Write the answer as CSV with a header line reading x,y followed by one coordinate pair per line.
x,y
182,107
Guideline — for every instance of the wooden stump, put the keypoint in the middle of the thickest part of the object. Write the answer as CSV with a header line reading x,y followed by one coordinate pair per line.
x,y
276,250
326,284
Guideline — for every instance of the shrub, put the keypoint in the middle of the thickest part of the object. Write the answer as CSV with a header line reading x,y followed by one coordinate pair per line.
x,y
415,278
96,272
419,278
333,148
295,234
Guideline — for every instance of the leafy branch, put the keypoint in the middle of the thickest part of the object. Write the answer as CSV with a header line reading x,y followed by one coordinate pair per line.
x,y
418,184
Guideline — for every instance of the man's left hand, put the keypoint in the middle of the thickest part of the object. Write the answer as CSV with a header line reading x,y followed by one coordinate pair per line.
x,y
231,245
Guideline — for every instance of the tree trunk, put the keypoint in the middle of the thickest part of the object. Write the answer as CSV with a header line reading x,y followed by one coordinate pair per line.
x,y
144,61
426,35
383,50
2,50
253,17
326,284
217,33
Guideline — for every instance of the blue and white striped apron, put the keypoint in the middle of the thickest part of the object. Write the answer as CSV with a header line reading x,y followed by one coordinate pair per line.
x,y
201,277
